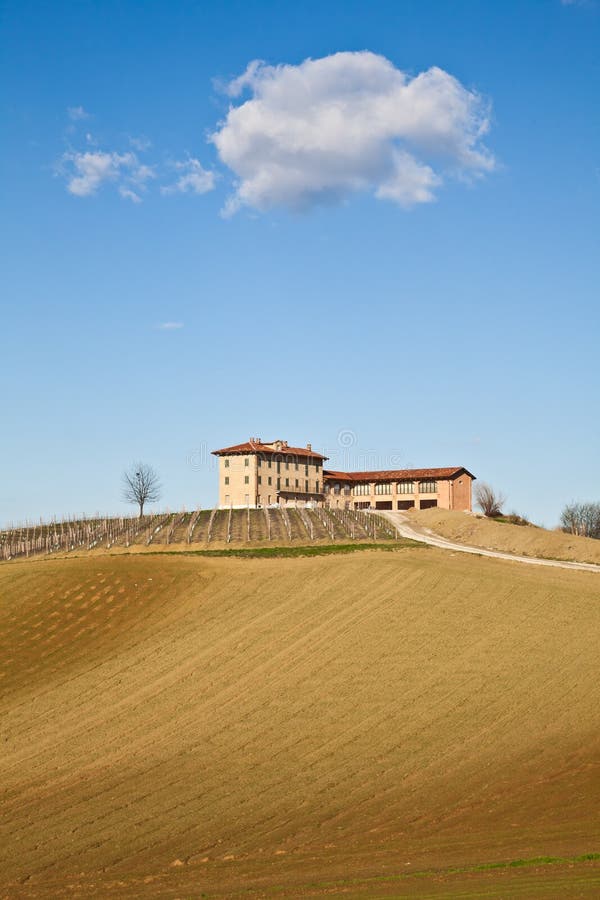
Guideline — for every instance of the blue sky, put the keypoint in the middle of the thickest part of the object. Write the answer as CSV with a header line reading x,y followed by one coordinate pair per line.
x,y
423,276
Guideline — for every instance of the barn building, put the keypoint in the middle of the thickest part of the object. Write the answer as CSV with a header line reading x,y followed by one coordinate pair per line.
x,y
402,489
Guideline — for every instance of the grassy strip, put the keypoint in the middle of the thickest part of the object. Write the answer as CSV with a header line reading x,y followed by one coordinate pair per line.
x,y
457,870
283,552
241,552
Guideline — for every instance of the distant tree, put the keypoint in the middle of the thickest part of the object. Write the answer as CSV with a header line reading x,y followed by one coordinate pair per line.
x,y
582,519
489,500
141,485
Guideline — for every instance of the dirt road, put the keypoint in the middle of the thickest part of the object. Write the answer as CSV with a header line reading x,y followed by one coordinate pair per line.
x,y
409,530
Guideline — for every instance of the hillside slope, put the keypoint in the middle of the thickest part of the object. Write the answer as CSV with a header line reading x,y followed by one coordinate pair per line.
x,y
522,540
201,528
180,727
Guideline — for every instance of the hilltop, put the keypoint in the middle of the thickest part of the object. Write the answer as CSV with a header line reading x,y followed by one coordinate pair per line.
x,y
200,529
175,726
495,534
245,530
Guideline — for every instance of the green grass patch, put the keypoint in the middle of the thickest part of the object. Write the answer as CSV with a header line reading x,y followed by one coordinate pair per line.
x,y
286,552
461,870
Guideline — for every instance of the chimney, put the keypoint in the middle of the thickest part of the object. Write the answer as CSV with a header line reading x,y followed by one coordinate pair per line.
x,y
309,446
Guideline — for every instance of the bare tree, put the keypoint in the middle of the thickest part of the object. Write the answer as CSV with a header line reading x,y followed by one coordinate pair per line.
x,y
582,519
141,485
489,500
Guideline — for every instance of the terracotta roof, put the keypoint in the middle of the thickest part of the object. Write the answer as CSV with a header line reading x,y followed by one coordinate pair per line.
x,y
396,474
267,449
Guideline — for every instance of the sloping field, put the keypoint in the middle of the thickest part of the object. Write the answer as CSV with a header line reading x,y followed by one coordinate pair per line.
x,y
217,528
382,724
523,540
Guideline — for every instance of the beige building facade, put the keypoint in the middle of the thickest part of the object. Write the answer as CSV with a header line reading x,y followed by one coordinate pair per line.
x,y
258,473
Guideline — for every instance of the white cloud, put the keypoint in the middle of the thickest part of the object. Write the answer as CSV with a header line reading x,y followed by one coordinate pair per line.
x,y
194,179
140,143
77,113
246,79
170,326
87,171
128,194
327,128
143,173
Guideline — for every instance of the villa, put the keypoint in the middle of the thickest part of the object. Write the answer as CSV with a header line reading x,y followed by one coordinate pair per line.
x,y
257,473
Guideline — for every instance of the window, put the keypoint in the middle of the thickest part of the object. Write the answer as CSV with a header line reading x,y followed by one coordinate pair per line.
x,y
247,499
383,489
260,479
306,470
269,463
246,462
226,463
227,479
306,486
278,466
427,487
259,462
278,483
269,480
361,489
347,489
287,467
336,489
226,499
406,487
246,479
287,482
297,483
317,486
297,467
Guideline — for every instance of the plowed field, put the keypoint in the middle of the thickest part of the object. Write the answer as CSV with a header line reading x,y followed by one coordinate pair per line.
x,y
372,725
